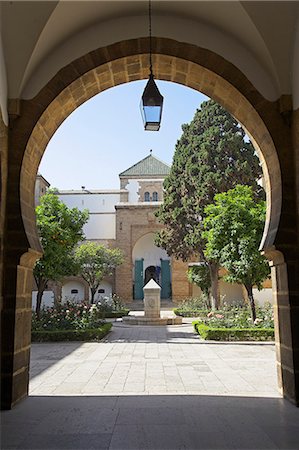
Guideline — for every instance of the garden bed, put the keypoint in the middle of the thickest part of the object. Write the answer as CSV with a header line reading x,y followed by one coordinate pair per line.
x,y
115,314
189,312
87,334
207,332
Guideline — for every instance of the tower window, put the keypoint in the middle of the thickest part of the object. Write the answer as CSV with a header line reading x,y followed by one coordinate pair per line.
x,y
146,196
155,196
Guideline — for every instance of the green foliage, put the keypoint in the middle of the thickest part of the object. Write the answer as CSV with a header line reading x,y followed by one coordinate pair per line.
x,y
112,306
200,275
193,307
60,229
240,317
234,226
76,316
94,261
230,316
69,316
233,334
87,334
210,157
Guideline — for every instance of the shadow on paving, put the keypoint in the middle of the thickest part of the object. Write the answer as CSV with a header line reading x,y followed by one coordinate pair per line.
x,y
169,334
45,355
151,334
151,422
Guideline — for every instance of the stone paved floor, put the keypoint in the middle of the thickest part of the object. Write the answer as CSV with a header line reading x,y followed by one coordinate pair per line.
x,y
153,360
152,388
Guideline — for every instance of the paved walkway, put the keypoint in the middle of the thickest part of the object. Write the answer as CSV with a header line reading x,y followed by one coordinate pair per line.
x,y
152,388
153,360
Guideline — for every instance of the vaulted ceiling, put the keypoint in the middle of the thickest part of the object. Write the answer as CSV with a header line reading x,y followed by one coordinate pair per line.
x,y
260,37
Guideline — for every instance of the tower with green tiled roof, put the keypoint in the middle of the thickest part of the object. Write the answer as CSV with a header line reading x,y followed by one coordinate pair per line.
x,y
148,166
144,180
136,225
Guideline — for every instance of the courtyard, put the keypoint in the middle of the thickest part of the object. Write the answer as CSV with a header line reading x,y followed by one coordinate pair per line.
x,y
153,360
152,388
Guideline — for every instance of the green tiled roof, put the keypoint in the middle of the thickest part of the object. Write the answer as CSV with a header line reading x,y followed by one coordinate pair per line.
x,y
147,166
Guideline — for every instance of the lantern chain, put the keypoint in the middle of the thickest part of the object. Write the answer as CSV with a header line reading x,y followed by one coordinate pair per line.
x,y
150,36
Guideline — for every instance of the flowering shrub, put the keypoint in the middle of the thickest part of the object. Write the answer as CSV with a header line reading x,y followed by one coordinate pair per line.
x,y
194,306
240,317
70,316
111,303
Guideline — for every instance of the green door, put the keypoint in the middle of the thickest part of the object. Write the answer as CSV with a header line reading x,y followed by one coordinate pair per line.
x,y
165,279
138,280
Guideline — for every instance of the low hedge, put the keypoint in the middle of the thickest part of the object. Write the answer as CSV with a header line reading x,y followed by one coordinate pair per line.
x,y
115,314
233,334
89,334
189,312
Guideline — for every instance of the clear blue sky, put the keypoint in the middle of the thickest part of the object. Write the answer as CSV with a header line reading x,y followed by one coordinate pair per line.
x,y
105,136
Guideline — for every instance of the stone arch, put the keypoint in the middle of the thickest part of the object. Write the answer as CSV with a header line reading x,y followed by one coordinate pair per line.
x,y
146,239
112,65
119,63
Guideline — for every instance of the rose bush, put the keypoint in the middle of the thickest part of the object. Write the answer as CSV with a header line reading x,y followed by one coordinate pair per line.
x,y
69,316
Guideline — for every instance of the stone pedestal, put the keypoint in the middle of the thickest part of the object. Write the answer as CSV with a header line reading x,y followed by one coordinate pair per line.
x,y
152,309
152,302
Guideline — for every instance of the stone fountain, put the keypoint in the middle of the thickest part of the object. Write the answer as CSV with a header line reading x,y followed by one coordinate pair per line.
x,y
152,309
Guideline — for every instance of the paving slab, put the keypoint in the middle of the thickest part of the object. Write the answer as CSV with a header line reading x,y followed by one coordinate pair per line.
x,y
152,388
153,359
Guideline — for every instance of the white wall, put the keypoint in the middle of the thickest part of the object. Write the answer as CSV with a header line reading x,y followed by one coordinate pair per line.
x,y
47,300
146,249
262,76
66,293
95,202
133,188
100,226
108,291
101,207
263,296
231,292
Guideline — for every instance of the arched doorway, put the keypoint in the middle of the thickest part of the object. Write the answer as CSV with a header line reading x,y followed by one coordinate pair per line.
x,y
183,63
150,274
150,262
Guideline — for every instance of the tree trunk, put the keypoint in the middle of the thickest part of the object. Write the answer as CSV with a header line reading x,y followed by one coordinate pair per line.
x,y
251,301
41,286
93,292
214,294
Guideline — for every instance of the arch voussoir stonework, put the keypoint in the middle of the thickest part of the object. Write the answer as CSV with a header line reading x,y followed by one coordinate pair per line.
x,y
102,69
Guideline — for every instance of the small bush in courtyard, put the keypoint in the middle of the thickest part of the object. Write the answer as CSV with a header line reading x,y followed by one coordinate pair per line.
x,y
93,334
207,332
240,317
193,307
234,323
70,316
111,306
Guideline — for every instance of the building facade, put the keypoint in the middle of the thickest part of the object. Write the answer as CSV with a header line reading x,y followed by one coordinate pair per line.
x,y
126,219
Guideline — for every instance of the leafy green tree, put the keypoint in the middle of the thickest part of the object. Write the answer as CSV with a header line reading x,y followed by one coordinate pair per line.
x,y
211,156
94,261
60,230
234,226
200,276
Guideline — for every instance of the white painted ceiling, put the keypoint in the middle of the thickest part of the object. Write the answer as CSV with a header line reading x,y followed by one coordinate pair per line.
x,y
40,37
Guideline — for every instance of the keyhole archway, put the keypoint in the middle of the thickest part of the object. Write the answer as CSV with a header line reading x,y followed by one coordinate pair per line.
x,y
104,68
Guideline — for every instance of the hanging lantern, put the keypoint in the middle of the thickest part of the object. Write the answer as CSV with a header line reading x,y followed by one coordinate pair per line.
x,y
151,106
152,101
